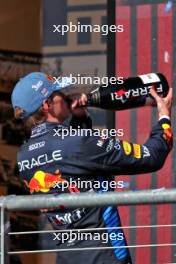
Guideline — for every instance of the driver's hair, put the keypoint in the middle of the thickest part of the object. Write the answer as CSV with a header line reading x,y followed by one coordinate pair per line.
x,y
35,119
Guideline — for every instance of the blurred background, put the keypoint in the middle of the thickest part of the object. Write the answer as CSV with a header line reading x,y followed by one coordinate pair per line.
x,y
148,44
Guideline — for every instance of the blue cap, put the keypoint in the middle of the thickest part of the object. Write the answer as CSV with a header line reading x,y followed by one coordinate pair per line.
x,y
30,92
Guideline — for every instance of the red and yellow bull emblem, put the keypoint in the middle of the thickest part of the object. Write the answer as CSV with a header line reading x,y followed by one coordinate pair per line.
x,y
167,132
42,181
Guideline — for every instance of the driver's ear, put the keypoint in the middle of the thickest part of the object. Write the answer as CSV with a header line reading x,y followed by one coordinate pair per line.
x,y
45,105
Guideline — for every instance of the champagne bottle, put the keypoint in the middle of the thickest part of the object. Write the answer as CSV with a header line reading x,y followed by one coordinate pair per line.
x,y
134,92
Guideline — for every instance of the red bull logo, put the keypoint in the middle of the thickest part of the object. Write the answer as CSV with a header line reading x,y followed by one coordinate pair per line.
x,y
167,132
42,181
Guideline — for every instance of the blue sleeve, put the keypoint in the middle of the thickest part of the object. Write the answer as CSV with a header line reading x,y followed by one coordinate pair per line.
x,y
122,157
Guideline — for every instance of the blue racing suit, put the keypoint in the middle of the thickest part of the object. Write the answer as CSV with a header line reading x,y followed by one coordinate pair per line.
x,y
48,162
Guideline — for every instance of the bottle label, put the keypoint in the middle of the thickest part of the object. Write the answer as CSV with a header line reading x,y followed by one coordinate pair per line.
x,y
133,93
149,78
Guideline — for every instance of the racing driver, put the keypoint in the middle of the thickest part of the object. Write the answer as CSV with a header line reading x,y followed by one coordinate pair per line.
x,y
47,160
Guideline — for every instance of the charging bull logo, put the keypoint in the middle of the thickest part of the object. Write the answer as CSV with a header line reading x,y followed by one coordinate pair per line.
x,y
167,132
43,182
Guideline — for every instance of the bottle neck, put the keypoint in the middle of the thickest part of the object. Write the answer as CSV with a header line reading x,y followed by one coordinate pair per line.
x,y
93,99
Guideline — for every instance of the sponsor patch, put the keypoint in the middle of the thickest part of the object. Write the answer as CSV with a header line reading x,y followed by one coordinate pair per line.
x,y
137,151
146,152
167,135
110,145
44,92
117,145
38,130
39,161
127,147
43,181
37,85
37,145
101,141
166,126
